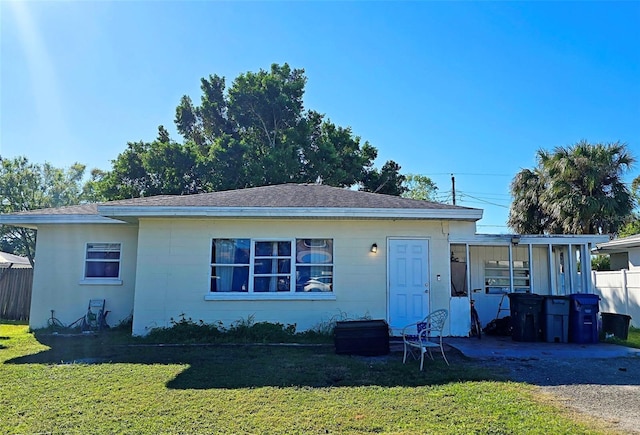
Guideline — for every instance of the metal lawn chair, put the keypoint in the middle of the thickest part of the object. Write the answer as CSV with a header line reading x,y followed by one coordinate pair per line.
x,y
425,335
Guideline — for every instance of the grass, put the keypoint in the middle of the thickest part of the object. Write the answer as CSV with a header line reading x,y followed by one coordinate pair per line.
x,y
633,339
100,384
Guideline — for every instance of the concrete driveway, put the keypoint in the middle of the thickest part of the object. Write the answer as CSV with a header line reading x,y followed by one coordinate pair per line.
x,y
505,347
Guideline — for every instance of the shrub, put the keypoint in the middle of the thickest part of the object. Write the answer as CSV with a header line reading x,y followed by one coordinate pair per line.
x,y
248,331
185,330
601,263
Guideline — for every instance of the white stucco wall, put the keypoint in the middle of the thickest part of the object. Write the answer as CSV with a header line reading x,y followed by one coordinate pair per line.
x,y
619,260
59,269
634,258
174,257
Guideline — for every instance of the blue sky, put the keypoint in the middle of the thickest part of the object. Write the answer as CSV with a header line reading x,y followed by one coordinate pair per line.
x,y
472,89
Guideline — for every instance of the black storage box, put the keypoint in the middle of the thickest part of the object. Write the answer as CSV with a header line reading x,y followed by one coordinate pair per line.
x,y
362,337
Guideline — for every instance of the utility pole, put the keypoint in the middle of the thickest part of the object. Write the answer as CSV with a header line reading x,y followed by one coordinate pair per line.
x,y
453,188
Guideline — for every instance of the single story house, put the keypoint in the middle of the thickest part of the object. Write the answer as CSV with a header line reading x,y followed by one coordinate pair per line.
x,y
619,288
11,261
302,254
624,252
16,276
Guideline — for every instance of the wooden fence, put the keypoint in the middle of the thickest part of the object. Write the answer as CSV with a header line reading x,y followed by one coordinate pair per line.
x,y
15,293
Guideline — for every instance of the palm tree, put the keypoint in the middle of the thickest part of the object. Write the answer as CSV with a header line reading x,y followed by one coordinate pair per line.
x,y
635,187
632,225
525,214
576,190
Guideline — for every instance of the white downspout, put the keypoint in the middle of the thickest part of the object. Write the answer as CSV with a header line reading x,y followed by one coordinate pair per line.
x,y
510,267
552,271
570,266
531,263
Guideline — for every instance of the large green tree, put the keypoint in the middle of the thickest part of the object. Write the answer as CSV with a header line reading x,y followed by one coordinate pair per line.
x,y
151,168
573,190
420,187
632,226
255,132
27,186
388,180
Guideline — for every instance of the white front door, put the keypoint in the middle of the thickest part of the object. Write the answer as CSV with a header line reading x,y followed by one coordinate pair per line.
x,y
408,281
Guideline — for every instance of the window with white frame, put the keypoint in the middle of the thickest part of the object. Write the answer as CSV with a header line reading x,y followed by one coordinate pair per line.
x,y
102,260
271,266
497,276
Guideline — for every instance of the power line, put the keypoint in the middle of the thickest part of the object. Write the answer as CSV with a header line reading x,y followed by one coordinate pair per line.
x,y
492,226
467,173
462,195
483,200
504,195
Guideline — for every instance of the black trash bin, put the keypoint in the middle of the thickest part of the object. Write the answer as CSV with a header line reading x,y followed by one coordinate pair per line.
x,y
583,318
616,324
526,313
361,337
556,319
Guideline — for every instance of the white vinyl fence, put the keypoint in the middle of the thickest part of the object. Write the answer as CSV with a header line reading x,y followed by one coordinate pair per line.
x,y
619,292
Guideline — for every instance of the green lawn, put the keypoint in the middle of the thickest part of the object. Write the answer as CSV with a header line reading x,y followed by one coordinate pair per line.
x,y
633,339
88,384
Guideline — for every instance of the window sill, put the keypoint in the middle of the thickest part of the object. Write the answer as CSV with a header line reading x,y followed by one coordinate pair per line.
x,y
101,281
233,296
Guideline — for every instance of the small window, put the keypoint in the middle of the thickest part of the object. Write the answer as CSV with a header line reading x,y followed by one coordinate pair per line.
x,y
102,260
497,277
272,266
230,265
314,265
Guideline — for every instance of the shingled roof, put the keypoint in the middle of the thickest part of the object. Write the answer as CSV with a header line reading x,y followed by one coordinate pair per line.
x,y
69,210
284,195
292,200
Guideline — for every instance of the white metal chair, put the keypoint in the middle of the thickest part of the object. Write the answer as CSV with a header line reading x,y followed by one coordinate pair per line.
x,y
425,335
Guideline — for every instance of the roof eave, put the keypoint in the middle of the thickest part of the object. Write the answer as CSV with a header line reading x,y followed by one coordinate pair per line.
x,y
619,245
530,239
292,212
32,221
614,249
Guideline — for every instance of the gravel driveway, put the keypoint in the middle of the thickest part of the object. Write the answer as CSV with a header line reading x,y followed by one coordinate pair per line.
x,y
607,389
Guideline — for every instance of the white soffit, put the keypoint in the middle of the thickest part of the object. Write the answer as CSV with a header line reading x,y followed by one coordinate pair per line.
x,y
625,242
530,239
35,219
292,212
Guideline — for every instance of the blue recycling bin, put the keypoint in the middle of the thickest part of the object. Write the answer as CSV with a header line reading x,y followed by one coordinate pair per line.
x,y
583,318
